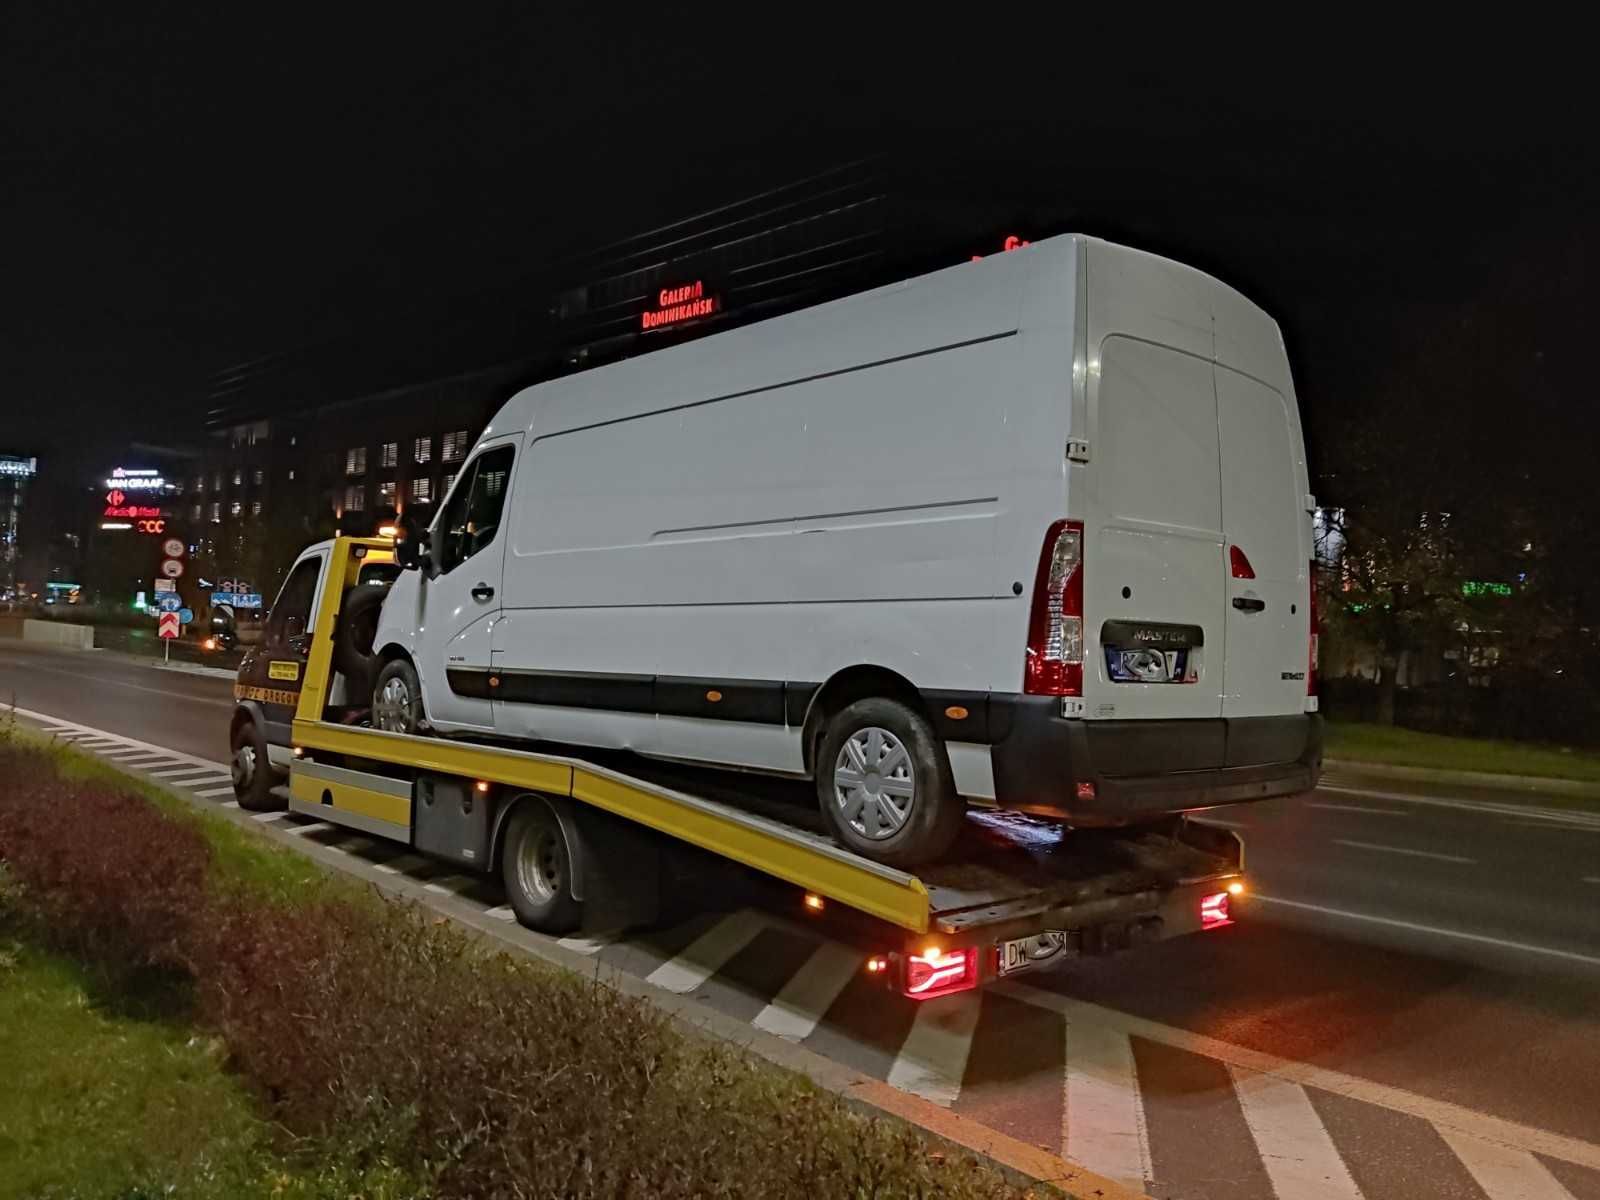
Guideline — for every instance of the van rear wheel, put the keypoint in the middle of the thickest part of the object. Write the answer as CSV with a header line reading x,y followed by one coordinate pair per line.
x,y
884,784
536,868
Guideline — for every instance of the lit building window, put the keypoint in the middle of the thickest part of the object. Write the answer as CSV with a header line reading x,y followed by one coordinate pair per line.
x,y
386,493
291,474
390,453
448,482
422,490
455,446
216,482
235,508
355,498
259,476
422,450
216,512
238,476
355,461
196,512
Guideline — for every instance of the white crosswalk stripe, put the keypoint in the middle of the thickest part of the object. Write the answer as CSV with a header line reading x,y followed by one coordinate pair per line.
x,y
313,827
402,864
810,992
501,913
225,790
173,773
933,1058
704,957
584,944
1102,1120
1503,1172
1295,1148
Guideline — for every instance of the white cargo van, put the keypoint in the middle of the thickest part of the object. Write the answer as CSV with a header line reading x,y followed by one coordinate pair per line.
x,y
1031,532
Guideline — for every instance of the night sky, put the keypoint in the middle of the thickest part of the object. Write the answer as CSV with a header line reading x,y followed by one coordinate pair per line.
x,y
189,191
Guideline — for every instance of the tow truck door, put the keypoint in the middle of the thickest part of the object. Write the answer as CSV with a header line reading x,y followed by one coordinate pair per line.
x,y
461,603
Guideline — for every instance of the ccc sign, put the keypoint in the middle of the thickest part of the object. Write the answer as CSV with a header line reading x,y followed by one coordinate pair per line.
x,y
151,525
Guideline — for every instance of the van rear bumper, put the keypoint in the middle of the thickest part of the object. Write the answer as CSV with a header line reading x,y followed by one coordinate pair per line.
x,y
1142,770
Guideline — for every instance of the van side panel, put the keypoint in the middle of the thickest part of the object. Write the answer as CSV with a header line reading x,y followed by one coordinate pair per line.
x,y
862,483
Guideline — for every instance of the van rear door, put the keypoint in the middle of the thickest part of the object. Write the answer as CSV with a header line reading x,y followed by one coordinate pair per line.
x,y
1263,510
1154,595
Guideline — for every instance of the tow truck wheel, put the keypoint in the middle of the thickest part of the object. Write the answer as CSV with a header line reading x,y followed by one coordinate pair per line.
x,y
537,870
397,699
884,784
253,777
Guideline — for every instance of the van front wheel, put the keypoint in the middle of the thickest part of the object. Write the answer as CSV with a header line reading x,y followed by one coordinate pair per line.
x,y
397,699
884,784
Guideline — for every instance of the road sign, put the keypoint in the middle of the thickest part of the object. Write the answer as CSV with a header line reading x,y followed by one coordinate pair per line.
x,y
226,585
167,625
172,548
237,599
169,601
185,615
171,568
166,585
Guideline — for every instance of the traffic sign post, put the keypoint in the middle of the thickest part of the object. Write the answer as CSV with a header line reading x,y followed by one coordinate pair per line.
x,y
169,601
185,616
167,629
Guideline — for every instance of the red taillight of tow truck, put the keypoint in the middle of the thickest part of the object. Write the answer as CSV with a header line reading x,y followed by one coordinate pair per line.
x,y
1054,664
1214,911
936,972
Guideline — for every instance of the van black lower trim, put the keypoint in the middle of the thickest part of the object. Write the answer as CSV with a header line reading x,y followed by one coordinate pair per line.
x,y
757,701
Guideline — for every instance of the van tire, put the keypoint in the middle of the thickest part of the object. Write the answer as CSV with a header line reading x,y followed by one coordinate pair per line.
x,y
536,868
397,699
352,640
251,768
903,739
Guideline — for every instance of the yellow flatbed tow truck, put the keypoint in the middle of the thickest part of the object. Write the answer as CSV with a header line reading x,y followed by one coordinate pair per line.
x,y
570,831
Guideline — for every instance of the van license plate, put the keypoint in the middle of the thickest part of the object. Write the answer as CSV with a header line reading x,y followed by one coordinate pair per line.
x,y
1146,665
1021,953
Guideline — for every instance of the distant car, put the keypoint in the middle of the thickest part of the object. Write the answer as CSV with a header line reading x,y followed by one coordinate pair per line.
x,y
1031,532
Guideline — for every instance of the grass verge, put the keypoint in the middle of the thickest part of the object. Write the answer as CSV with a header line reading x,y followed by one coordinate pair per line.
x,y
377,1039
106,1096
1393,746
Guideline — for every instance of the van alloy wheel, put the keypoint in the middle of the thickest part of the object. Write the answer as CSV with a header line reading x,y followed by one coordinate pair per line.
x,y
243,767
874,784
539,864
393,709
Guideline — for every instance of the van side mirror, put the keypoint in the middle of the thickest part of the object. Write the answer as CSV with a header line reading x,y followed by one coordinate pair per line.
x,y
408,553
293,627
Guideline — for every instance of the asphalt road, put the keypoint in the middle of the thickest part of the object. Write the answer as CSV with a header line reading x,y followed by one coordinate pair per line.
x,y
1417,965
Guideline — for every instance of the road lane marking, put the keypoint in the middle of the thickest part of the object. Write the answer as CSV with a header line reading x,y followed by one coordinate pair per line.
x,y
1441,1113
1204,820
1355,808
172,773
1505,1173
85,730
1591,878
103,681
1532,812
313,827
933,1058
1102,1118
1296,1150
448,885
704,956
400,864
579,944
267,817
795,1012
1453,858
500,913
226,790
230,804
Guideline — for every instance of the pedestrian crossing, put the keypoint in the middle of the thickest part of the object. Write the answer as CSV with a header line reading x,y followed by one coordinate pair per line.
x,y
1168,1111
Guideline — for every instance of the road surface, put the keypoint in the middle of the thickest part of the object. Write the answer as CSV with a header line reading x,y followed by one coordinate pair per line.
x,y
1409,1008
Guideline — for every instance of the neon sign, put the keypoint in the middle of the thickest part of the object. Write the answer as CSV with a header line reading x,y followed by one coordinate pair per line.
x,y
149,526
1012,242
136,481
18,466
131,511
675,305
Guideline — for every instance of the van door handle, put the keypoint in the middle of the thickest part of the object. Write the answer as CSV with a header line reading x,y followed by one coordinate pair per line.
x,y
1242,603
483,592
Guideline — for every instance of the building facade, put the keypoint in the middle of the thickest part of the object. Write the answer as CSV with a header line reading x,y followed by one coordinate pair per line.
x,y
15,474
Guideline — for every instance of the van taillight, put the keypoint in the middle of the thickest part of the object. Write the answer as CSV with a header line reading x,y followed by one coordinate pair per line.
x,y
1316,634
937,972
1055,629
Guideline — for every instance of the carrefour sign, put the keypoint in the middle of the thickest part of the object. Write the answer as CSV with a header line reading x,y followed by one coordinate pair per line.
x,y
136,480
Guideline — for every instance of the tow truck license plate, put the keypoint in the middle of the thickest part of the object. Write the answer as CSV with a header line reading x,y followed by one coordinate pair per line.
x,y
1019,954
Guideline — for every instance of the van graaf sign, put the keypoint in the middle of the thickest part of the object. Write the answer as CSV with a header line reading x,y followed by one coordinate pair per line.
x,y
123,479
675,305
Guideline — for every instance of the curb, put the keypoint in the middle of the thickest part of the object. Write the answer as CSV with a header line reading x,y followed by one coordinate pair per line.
x,y
1518,783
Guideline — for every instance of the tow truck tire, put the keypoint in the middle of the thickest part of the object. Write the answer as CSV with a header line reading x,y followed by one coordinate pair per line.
x,y
884,784
352,641
397,699
253,776
537,870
